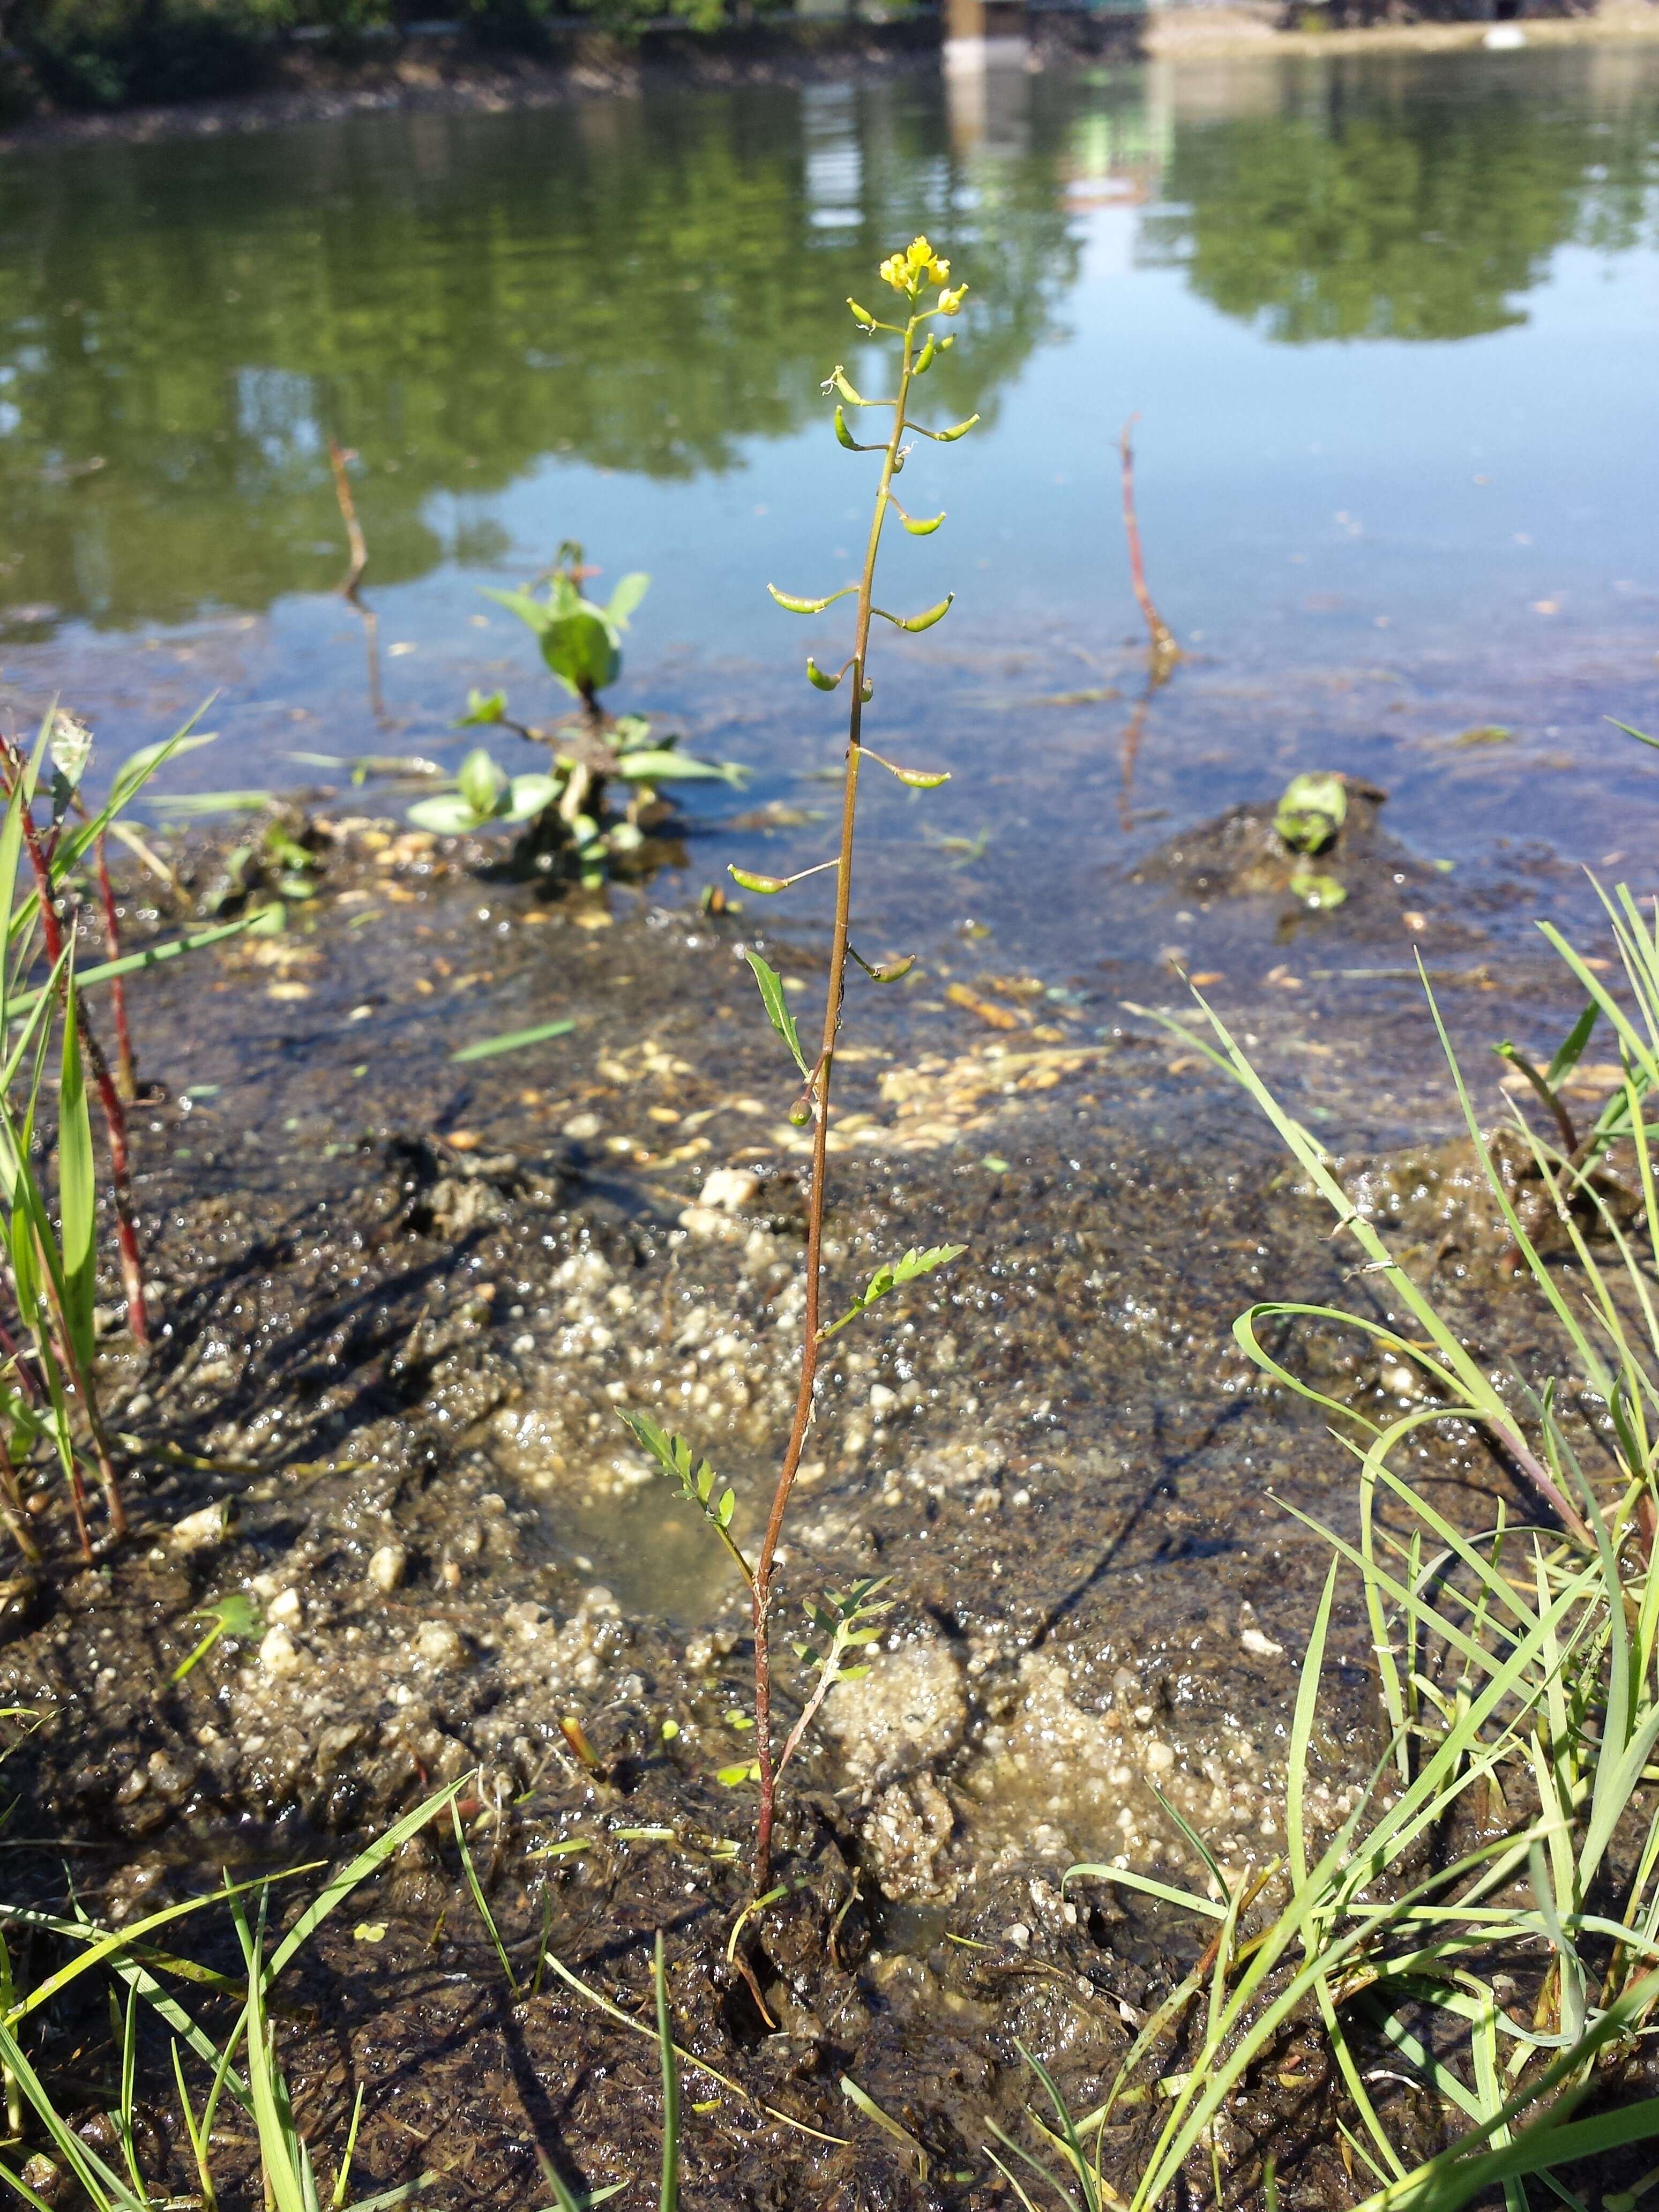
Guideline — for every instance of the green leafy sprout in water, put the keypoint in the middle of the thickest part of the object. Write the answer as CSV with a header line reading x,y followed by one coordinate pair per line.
x,y
1309,821
567,804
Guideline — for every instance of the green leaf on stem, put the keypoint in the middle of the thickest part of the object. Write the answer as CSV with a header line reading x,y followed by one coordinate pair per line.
x,y
483,708
581,651
630,590
231,1615
890,1276
77,1189
661,766
480,782
696,1483
777,1006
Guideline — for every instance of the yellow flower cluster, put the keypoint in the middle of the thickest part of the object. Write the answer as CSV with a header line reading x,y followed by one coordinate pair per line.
x,y
909,272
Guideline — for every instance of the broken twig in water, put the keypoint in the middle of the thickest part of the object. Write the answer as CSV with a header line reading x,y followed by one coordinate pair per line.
x,y
350,587
1162,651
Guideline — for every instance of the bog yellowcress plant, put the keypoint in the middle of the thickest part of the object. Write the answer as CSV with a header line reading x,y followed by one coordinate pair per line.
x,y
844,1623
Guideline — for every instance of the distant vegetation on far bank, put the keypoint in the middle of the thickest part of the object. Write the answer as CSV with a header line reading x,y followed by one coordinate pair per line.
x,y
92,54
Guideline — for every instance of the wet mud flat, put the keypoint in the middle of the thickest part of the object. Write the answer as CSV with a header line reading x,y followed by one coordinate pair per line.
x,y
402,1299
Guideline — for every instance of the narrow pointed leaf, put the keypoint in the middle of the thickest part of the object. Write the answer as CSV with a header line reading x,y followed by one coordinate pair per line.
x,y
629,590
777,1007
77,1191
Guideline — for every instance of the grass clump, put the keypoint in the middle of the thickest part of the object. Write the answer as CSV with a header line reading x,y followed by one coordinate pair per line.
x,y
54,880
1479,1938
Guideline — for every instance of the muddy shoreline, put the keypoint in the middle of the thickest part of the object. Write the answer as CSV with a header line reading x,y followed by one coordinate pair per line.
x,y
448,76
402,1299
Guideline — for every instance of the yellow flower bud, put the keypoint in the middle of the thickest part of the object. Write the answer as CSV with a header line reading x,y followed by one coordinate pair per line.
x,y
916,267
950,303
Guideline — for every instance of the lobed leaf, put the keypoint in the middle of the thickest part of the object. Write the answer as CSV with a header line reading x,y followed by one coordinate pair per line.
x,y
890,1276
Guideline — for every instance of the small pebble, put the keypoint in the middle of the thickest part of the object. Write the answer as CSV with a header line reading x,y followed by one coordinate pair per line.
x,y
729,1189
286,1608
279,1654
1259,1646
439,1645
201,1530
387,1566
581,1126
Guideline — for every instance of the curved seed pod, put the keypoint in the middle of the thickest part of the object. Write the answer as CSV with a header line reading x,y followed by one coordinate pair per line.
x,y
791,605
767,886
925,358
884,971
946,437
819,681
804,1112
844,436
918,779
861,314
923,527
924,621
838,379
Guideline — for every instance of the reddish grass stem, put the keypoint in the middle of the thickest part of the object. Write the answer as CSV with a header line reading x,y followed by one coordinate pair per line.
x,y
126,1071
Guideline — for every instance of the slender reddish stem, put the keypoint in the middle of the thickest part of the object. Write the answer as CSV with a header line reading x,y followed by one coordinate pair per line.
x,y
1164,652
126,1072
810,1345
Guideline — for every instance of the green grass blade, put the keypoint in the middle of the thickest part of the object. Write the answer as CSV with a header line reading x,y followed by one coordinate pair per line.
x,y
668,2196
77,1191
512,1040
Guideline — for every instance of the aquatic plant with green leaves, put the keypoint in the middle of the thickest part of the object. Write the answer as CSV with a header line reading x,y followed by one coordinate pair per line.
x,y
841,1621
567,803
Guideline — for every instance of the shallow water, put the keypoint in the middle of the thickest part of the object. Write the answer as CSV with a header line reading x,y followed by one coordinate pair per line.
x,y
1387,325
